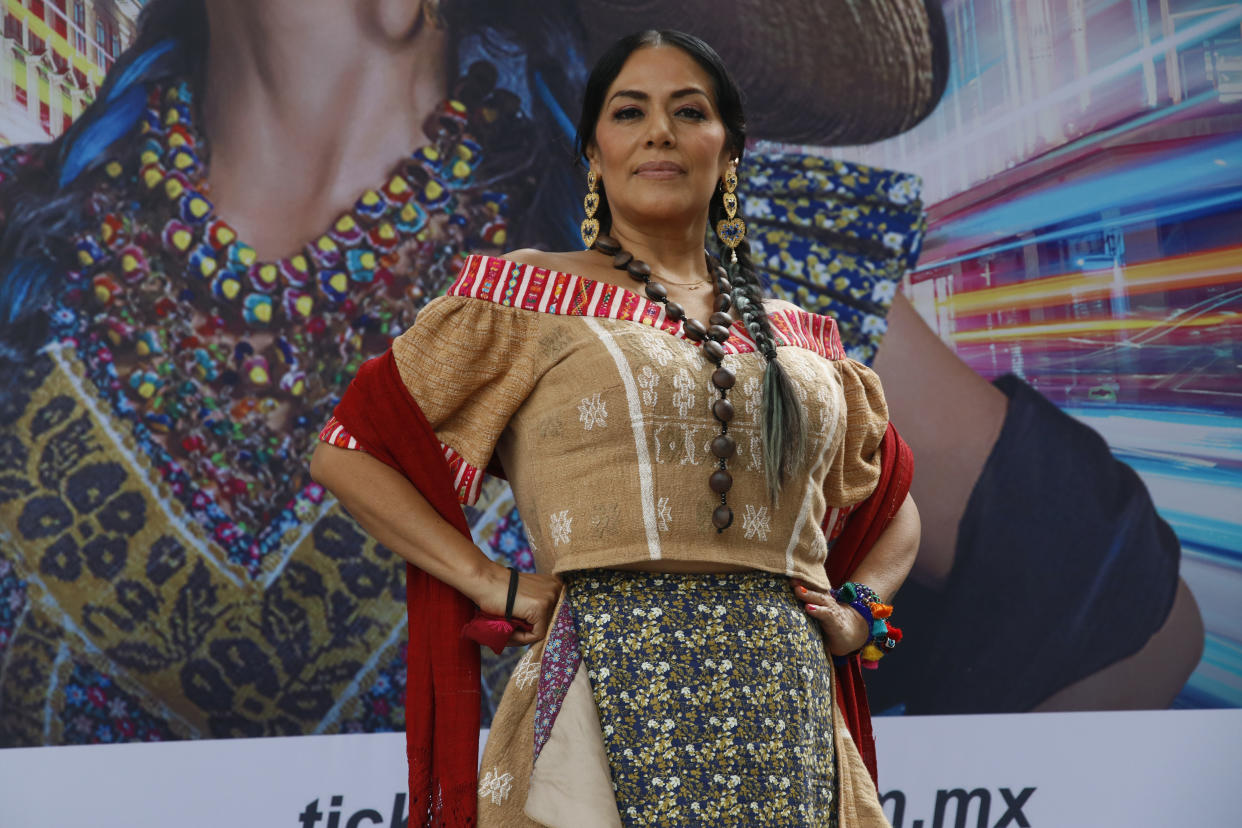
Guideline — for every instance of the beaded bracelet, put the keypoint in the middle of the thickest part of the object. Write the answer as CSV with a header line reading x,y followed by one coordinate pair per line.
x,y
883,635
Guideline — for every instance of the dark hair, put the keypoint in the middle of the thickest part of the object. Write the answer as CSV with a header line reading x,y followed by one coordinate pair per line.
x,y
783,423
48,202
535,51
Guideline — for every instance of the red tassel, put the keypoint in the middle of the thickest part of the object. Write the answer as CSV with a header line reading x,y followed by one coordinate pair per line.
x,y
492,631
894,632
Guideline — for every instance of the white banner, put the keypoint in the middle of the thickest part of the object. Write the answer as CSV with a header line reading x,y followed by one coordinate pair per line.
x,y
1167,768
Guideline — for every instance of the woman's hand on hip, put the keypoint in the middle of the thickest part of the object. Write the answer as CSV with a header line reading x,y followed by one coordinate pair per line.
x,y
536,598
844,629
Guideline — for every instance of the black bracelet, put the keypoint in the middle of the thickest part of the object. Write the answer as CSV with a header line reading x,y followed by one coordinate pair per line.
x,y
513,585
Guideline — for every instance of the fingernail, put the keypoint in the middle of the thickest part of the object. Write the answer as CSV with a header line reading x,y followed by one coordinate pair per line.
x,y
801,589
811,608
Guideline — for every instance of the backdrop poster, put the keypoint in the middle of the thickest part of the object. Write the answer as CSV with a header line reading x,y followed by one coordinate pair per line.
x,y
1081,179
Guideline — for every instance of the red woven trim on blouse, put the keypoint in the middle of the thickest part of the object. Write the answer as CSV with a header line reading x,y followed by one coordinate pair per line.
x,y
515,285
834,522
334,434
467,480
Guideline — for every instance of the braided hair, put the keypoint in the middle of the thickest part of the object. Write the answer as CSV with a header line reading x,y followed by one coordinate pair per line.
x,y
783,420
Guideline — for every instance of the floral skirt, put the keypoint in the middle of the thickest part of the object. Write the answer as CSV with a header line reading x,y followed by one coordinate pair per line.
x,y
714,697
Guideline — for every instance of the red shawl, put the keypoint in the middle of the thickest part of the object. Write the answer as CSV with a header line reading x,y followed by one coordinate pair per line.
x,y
442,690
863,527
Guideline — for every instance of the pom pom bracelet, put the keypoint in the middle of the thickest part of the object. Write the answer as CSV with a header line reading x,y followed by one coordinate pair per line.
x,y
866,602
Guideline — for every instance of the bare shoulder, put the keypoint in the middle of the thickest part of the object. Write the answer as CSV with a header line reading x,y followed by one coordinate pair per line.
x,y
566,262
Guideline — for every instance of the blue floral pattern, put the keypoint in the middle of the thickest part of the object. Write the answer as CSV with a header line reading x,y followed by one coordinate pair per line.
x,y
714,697
833,237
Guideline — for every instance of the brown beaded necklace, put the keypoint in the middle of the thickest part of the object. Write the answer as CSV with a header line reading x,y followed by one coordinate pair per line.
x,y
712,338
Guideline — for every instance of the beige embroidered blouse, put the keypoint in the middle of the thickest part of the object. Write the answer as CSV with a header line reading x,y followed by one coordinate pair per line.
x,y
598,409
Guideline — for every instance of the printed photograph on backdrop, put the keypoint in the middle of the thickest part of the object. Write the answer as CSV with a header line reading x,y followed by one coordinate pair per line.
x,y
1043,271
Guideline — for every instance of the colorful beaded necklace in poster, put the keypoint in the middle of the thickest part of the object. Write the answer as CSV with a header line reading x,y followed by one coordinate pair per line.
x,y
227,364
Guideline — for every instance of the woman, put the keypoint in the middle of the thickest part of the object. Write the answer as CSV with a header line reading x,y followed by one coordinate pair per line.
x,y
713,689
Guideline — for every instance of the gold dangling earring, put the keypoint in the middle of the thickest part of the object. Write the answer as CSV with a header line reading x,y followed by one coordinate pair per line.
x,y
731,230
590,225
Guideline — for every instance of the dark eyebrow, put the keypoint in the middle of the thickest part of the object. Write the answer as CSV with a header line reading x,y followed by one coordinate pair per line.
x,y
643,96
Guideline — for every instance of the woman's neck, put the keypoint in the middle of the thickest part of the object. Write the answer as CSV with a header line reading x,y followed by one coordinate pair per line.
x,y
309,102
673,253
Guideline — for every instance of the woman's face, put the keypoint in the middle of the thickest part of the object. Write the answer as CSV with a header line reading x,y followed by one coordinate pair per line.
x,y
660,146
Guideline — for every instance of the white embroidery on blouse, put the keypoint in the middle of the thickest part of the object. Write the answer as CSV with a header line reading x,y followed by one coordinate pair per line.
x,y
750,388
561,527
756,523
592,412
756,452
633,405
647,381
656,347
655,438
688,432
527,671
803,378
683,397
496,785
664,514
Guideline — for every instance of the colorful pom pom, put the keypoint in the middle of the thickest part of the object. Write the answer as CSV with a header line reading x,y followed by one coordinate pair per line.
x,y
362,264
134,267
412,218
334,284
203,261
177,237
384,237
194,208
298,304
397,191
89,252
346,231
370,205
325,252
295,270
258,309
106,288
264,277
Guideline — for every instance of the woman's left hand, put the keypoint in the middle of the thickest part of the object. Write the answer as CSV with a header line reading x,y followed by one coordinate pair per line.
x,y
844,629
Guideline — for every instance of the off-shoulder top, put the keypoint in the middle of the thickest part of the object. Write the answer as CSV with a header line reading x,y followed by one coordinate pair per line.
x,y
598,410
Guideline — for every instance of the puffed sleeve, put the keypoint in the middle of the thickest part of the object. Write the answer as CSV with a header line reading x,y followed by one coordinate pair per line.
x,y
469,364
855,469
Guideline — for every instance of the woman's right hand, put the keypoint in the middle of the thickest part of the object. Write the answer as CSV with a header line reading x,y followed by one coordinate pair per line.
x,y
536,598
397,515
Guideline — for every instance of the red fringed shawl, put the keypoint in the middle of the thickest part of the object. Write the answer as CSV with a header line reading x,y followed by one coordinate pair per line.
x,y
442,690
863,528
